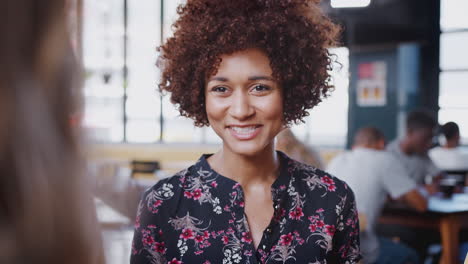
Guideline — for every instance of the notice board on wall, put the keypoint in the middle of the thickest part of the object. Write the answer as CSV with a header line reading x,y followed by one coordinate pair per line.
x,y
372,84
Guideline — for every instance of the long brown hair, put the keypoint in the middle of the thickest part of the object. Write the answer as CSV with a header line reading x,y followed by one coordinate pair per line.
x,y
46,212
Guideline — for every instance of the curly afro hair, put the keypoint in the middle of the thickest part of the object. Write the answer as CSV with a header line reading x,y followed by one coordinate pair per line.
x,y
294,34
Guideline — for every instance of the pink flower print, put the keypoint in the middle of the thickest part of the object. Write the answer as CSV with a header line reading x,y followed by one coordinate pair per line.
x,y
313,227
186,234
188,194
225,240
248,253
199,238
198,252
300,241
332,188
148,240
174,261
157,203
241,204
320,223
296,213
196,194
246,237
320,210
206,234
235,186
160,247
282,187
330,230
207,262
214,184
327,180
286,239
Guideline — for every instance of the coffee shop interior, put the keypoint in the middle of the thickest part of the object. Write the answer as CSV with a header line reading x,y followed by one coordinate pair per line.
x,y
396,58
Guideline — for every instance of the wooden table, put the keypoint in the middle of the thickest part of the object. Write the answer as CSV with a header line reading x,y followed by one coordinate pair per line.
x,y
449,216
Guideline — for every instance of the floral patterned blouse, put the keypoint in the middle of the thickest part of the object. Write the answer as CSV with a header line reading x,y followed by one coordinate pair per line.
x,y
197,216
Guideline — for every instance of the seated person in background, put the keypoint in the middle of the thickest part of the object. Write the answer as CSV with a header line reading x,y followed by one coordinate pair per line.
x,y
294,148
448,156
372,174
412,150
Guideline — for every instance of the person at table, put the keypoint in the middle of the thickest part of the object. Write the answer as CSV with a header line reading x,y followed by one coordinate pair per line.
x,y
248,69
374,174
412,150
47,215
448,156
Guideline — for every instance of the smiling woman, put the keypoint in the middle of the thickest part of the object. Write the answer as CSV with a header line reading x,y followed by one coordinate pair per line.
x,y
248,69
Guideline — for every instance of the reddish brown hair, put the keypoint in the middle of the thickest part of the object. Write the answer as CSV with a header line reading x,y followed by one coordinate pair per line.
x,y
294,34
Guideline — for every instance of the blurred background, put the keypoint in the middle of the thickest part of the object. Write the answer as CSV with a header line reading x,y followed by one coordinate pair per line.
x,y
396,56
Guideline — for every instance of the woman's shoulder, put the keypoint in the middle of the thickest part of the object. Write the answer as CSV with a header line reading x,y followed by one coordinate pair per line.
x,y
318,180
178,179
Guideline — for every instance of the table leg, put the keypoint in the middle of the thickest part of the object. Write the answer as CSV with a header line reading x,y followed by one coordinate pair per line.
x,y
449,232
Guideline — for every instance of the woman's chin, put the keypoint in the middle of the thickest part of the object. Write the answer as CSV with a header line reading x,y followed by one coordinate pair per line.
x,y
247,149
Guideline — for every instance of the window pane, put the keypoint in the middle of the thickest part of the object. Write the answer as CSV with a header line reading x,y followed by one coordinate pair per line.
x,y
453,51
458,116
453,14
143,103
142,131
318,129
453,89
145,106
103,61
178,128
170,15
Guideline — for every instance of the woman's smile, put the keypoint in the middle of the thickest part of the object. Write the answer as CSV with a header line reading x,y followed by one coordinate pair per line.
x,y
245,132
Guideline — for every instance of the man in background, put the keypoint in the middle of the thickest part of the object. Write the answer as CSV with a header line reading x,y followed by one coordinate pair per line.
x,y
373,174
412,150
448,156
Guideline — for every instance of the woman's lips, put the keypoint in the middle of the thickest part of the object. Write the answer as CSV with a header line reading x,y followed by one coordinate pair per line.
x,y
244,132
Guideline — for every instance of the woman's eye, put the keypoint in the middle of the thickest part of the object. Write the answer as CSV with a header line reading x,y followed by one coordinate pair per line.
x,y
260,88
219,89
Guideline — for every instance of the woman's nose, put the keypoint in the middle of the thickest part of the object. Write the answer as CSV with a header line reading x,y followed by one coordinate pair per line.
x,y
241,107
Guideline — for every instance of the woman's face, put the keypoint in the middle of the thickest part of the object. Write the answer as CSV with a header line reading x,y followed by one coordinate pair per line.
x,y
244,104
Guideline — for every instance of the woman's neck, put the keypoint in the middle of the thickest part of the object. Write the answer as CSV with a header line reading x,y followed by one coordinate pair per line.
x,y
246,170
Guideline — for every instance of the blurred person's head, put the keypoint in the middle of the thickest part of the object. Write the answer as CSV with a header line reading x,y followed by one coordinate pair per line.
x,y
45,214
420,126
286,140
288,143
369,137
451,132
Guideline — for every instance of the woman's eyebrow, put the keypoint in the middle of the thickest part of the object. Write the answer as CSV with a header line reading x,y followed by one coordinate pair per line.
x,y
219,79
258,78
251,78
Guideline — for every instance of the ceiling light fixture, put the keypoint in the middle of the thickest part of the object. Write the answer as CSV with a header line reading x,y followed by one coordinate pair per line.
x,y
349,3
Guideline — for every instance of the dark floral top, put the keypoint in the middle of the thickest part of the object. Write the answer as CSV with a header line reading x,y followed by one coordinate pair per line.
x,y
197,216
